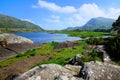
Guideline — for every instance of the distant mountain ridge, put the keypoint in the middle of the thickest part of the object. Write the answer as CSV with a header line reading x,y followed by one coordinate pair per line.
x,y
11,22
96,23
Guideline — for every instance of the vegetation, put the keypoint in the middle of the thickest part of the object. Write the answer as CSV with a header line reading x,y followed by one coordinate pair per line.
x,y
82,33
58,57
8,23
18,57
116,25
98,23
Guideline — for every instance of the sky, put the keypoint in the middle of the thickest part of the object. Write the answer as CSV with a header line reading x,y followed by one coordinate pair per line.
x,y
60,14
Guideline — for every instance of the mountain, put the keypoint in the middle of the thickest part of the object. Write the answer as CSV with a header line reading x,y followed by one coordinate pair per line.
x,y
95,23
72,28
8,22
98,23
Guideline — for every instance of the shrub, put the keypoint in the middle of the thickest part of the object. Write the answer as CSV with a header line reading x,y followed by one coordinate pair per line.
x,y
54,43
19,55
113,47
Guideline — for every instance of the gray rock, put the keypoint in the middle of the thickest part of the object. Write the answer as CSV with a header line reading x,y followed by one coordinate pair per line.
x,y
75,60
99,71
49,72
100,49
66,44
11,38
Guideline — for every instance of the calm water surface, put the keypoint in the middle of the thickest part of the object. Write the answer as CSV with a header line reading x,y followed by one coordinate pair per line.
x,y
43,37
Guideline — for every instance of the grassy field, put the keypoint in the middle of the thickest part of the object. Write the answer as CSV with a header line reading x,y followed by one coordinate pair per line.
x,y
58,57
82,33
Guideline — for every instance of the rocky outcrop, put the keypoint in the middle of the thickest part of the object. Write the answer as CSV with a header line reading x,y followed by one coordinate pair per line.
x,y
88,71
99,71
11,38
15,44
100,50
51,72
66,44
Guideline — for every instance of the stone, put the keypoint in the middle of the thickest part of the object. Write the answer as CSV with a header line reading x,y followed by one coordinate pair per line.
x,y
100,50
66,44
11,76
49,72
75,60
99,71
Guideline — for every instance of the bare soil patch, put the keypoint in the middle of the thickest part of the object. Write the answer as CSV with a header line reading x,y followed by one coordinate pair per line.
x,y
21,66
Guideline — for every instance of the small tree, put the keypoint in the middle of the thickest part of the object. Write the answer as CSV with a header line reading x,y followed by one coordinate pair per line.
x,y
116,25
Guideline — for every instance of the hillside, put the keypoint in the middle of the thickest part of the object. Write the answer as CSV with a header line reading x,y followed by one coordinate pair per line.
x,y
7,23
95,23
98,23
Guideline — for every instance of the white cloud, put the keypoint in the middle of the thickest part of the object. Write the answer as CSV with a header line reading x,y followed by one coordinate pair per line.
x,y
75,16
90,11
55,7
113,13
53,19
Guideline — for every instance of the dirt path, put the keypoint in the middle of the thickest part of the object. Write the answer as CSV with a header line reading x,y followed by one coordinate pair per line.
x,y
21,66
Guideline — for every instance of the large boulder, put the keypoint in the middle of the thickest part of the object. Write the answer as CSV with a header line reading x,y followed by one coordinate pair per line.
x,y
99,71
11,38
13,45
51,72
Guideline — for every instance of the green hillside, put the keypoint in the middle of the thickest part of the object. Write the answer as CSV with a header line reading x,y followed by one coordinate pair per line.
x,y
11,23
98,23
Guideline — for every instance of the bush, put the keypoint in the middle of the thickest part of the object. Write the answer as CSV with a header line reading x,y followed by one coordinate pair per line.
x,y
113,47
96,41
54,43
19,55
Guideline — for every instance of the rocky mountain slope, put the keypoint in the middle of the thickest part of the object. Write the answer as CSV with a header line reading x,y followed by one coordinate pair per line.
x,y
95,23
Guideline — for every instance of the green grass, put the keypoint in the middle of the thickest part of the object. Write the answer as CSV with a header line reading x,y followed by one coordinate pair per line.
x,y
18,57
83,33
60,56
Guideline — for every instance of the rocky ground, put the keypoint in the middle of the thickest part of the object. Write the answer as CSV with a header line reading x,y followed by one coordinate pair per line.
x,y
89,71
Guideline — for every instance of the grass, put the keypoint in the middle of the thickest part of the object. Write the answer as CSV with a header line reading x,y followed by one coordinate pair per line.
x,y
18,57
83,33
63,55
58,57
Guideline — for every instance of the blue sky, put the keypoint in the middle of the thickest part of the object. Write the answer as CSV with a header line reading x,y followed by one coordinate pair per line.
x,y
60,14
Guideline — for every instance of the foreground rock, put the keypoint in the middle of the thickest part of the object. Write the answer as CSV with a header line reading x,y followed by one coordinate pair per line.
x,y
88,71
99,71
51,72
11,38
15,44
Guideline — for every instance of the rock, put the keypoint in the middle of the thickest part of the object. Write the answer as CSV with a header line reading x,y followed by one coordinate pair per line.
x,y
49,72
11,76
88,47
99,71
11,38
66,44
100,49
75,60
14,44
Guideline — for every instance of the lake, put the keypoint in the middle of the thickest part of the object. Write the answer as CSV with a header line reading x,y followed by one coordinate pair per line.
x,y
43,37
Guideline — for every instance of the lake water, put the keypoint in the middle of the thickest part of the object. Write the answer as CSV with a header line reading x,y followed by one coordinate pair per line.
x,y
43,37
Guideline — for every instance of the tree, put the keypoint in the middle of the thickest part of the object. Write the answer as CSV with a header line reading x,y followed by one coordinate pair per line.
x,y
116,25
